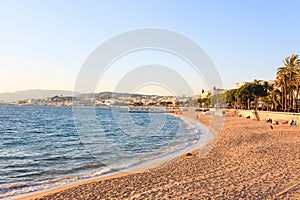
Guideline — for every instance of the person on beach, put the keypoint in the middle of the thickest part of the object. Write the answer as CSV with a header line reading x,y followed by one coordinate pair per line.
x,y
293,123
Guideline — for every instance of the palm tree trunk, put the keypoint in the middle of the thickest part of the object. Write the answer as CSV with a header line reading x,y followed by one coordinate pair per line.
x,y
248,103
273,101
296,98
284,99
290,101
285,94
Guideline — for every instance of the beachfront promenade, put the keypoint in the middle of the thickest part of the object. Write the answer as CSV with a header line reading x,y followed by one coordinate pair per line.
x,y
249,161
265,115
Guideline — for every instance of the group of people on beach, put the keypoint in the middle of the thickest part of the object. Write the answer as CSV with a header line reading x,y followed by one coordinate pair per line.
x,y
292,123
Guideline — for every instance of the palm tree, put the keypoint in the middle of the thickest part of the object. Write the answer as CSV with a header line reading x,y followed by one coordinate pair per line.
x,y
297,85
286,76
281,81
291,64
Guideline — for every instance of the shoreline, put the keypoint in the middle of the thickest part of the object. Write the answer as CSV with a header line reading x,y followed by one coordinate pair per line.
x,y
39,194
249,160
144,166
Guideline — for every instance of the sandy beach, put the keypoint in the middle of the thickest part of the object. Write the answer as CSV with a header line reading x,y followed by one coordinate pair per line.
x,y
249,161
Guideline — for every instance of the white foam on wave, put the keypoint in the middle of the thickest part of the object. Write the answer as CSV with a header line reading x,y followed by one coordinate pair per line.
x,y
202,134
199,136
16,191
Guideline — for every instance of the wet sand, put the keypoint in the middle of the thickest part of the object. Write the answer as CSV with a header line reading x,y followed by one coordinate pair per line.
x,y
249,161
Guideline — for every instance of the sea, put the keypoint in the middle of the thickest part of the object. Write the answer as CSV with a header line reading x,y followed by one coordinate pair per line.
x,y
44,147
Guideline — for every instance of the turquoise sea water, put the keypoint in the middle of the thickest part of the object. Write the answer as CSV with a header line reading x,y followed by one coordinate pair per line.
x,y
41,148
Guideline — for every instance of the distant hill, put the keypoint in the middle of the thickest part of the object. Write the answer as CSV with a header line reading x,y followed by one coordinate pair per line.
x,y
32,94
108,95
40,94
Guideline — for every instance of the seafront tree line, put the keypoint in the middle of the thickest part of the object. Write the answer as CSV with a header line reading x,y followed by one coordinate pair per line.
x,y
281,96
288,80
245,95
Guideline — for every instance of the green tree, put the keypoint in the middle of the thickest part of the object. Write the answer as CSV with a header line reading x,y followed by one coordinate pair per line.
x,y
219,100
251,92
244,95
231,97
205,101
269,99
287,80
297,85
257,90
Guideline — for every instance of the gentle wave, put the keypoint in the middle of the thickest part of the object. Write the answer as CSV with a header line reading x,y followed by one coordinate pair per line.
x,y
134,155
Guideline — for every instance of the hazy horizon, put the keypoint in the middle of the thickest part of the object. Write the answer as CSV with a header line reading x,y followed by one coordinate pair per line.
x,y
46,49
58,90
9,97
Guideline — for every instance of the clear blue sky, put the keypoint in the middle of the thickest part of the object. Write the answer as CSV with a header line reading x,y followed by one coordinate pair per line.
x,y
44,43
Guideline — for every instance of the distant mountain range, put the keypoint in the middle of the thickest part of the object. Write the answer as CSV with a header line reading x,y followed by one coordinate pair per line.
x,y
32,94
40,94
108,95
